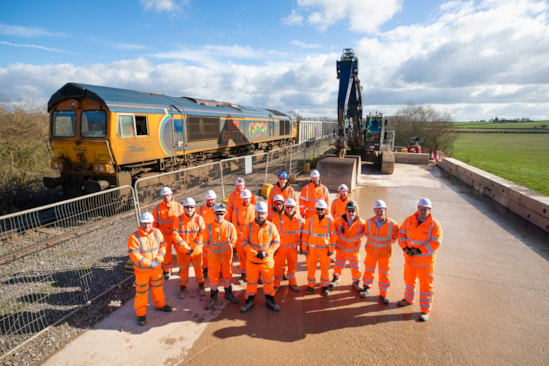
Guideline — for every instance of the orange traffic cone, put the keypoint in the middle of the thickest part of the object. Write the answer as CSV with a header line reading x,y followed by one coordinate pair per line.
x,y
432,155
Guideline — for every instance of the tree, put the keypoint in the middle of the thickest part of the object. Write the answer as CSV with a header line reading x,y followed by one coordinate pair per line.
x,y
431,126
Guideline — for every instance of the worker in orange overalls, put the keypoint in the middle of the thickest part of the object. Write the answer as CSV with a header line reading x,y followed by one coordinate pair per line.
x,y
381,232
260,240
350,229
338,205
164,215
311,194
290,228
147,248
207,213
420,236
187,235
234,199
278,207
318,244
242,216
220,238
283,188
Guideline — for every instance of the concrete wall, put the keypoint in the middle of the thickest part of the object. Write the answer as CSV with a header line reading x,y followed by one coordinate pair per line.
x,y
411,158
532,206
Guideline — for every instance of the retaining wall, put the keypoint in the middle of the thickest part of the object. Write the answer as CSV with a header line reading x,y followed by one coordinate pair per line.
x,y
530,205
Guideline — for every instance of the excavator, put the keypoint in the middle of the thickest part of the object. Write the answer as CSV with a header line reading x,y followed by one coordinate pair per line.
x,y
359,139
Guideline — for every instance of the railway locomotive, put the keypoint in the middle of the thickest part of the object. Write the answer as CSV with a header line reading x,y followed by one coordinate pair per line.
x,y
104,137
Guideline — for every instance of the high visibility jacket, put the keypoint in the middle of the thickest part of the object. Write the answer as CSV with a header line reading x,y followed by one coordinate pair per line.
x,y
257,238
337,207
235,201
273,214
290,230
144,247
287,192
426,236
207,214
310,194
349,236
188,232
219,238
242,216
164,217
320,234
380,237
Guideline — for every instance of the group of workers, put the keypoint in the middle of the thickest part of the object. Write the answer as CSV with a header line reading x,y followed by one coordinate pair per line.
x,y
268,236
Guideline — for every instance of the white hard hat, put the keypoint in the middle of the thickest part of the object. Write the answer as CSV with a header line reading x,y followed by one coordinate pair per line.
x,y
380,204
239,182
342,187
246,193
278,197
210,195
424,202
261,206
146,217
290,202
220,207
314,174
166,190
189,201
321,204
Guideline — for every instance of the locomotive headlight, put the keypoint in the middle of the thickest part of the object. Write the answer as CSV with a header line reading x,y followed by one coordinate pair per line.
x,y
103,168
57,165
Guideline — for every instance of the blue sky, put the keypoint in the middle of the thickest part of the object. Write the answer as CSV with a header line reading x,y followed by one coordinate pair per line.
x,y
472,59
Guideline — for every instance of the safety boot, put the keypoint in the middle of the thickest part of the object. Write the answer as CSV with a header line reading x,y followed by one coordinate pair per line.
x,y
242,278
424,317
335,281
310,290
201,291
248,305
326,291
357,287
167,275
384,299
295,288
229,295
182,291
365,291
165,308
213,299
271,303
141,320
403,302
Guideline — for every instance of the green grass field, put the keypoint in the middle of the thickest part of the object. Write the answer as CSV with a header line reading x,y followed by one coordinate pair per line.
x,y
520,158
511,125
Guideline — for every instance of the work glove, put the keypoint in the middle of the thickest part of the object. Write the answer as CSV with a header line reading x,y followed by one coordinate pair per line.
x,y
189,252
407,251
305,252
155,263
330,253
261,254
342,229
415,251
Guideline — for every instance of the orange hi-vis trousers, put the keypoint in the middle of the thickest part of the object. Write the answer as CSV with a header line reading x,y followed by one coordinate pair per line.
x,y
283,256
315,256
145,278
384,266
266,271
185,261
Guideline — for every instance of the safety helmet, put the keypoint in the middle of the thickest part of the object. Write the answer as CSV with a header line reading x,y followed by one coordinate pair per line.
x,y
290,202
424,202
351,205
261,206
321,204
239,182
189,201
246,193
342,187
146,217
314,174
166,190
219,207
283,174
210,195
380,204
278,197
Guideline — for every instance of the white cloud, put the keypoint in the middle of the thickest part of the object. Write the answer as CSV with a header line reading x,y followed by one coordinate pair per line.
x,y
163,5
293,19
33,46
27,32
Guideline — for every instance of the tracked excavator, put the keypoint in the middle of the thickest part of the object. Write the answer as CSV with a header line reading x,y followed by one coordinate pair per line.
x,y
359,139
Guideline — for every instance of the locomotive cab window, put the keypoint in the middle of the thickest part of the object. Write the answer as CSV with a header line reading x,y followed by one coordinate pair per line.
x,y
63,124
93,124
131,126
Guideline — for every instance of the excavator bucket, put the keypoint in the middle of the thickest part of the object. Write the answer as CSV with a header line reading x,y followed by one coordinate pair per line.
x,y
335,171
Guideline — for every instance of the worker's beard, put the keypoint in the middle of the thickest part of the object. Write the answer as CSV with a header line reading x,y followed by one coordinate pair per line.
x,y
259,222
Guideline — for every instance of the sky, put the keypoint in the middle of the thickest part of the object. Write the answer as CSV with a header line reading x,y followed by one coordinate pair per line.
x,y
475,60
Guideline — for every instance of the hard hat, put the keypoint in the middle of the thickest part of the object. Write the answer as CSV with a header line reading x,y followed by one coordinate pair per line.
x,y
283,174
189,201
380,204
342,187
239,182
261,206
278,197
290,202
146,217
424,202
314,174
351,205
210,195
166,190
220,207
321,204
245,193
